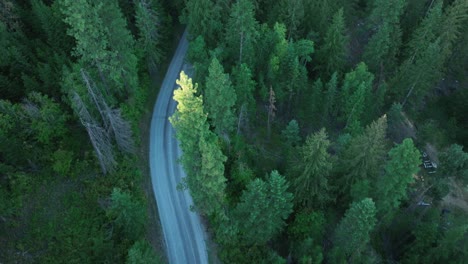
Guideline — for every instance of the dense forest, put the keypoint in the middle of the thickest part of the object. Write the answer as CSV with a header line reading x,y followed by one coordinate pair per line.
x,y
313,131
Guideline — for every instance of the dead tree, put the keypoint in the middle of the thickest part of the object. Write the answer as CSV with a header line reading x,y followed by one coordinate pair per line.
x,y
99,137
271,110
112,119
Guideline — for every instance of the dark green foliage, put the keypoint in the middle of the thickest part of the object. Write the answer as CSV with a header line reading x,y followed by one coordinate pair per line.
x,y
203,17
241,33
307,224
383,46
356,96
142,253
363,158
333,52
263,209
203,160
353,232
150,20
391,189
244,86
62,59
310,172
454,163
220,98
291,133
128,213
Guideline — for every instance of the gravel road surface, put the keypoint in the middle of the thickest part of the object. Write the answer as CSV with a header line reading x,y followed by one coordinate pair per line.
x,y
184,234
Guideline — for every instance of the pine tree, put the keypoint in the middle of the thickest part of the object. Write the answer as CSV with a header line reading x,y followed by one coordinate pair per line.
x,y
454,163
383,46
189,121
263,209
353,232
332,55
198,56
241,32
429,49
220,98
142,253
291,133
103,42
244,86
203,17
207,186
391,189
128,213
356,95
363,158
329,111
311,171
202,158
148,16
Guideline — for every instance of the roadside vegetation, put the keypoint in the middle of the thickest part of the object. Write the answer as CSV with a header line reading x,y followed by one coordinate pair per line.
x,y
325,131
75,78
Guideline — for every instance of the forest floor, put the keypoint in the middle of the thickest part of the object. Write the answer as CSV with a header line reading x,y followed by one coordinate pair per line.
x,y
458,194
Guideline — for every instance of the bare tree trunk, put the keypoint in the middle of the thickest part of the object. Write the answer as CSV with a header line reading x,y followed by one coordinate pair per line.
x,y
112,118
241,113
271,111
98,136
241,47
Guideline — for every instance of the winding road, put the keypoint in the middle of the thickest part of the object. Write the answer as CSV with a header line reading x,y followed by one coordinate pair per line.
x,y
184,234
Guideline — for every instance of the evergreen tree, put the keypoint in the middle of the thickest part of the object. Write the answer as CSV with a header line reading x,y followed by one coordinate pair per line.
x,y
384,44
333,52
220,98
149,21
142,253
352,234
322,11
330,102
291,133
391,189
189,121
208,186
356,95
430,47
197,54
263,209
203,17
202,158
363,158
128,213
103,42
317,99
311,171
454,163
241,32
244,86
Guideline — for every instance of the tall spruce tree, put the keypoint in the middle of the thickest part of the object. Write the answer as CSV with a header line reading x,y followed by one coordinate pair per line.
x,y
311,171
189,121
333,52
220,98
391,189
356,95
363,159
241,32
202,158
382,49
352,234
104,43
149,21
263,209
203,17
